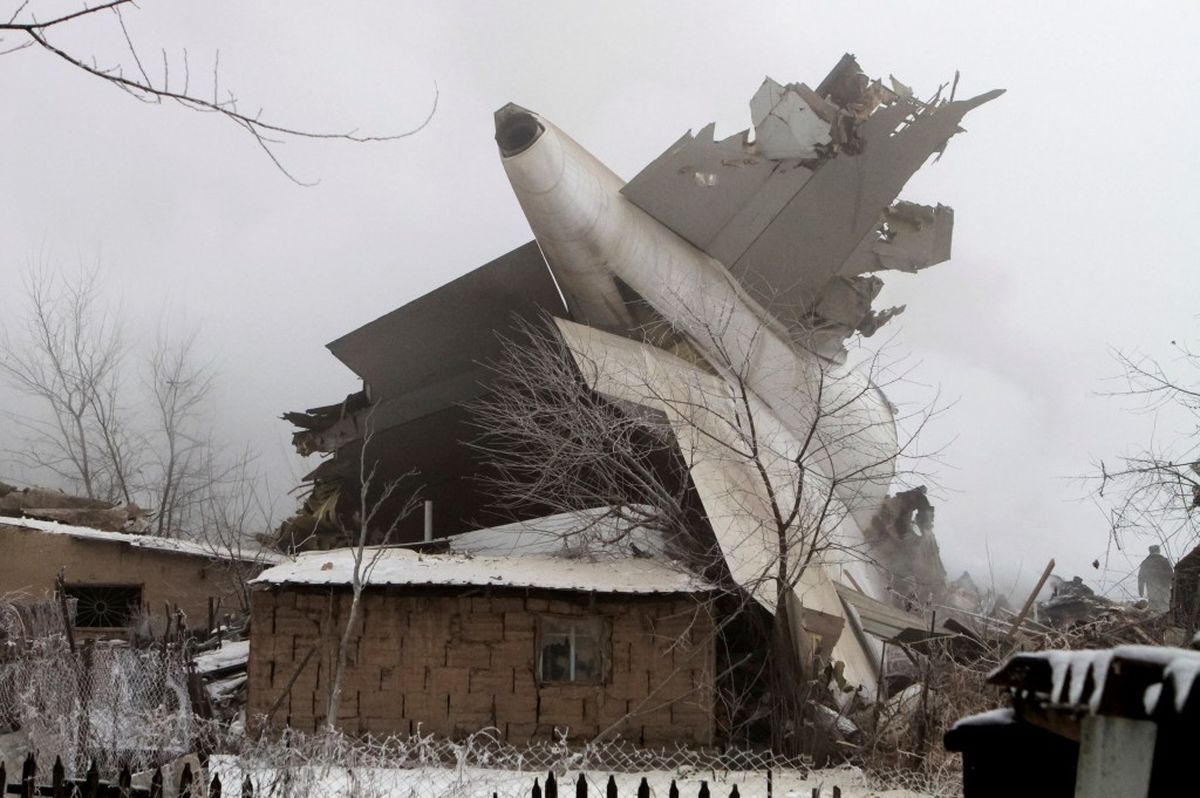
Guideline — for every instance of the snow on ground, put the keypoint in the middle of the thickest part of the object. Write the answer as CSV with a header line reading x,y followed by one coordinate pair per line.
x,y
450,782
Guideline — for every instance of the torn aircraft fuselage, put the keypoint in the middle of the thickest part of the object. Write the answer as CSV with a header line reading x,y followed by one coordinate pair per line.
x,y
759,251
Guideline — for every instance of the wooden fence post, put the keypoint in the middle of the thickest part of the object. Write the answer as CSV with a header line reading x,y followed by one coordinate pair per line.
x,y
551,785
703,790
185,781
247,787
837,791
537,789
3,778
581,786
214,787
124,781
643,789
28,776
771,779
610,790
734,792
91,784
56,779
156,782
673,792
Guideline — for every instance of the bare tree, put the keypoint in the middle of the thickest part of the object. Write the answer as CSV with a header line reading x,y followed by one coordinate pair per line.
x,y
178,386
139,78
234,513
69,361
1154,491
114,423
572,427
373,497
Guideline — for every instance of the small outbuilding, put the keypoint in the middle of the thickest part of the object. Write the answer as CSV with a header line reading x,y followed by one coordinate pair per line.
x,y
525,641
120,581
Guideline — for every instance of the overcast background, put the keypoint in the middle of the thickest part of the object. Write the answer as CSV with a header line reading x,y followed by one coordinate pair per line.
x,y
1076,212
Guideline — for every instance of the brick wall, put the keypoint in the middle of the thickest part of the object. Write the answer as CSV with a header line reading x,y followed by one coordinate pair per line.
x,y
457,663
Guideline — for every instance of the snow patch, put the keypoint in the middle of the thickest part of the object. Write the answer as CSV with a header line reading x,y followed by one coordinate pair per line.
x,y
228,655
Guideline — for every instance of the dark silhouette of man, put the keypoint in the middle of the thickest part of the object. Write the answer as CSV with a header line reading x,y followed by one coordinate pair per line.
x,y
1154,580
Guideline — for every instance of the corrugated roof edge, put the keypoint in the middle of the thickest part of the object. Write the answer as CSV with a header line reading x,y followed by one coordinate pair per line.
x,y
403,567
185,547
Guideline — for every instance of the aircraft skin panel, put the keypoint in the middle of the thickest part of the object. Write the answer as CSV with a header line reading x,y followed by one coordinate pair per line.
x,y
451,329
839,206
589,224
698,185
701,411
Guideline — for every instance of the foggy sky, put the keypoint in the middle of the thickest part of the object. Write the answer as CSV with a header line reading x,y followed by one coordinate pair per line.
x,y
1074,194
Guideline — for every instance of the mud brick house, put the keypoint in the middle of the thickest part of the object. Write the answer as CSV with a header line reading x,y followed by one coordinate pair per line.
x,y
120,580
450,643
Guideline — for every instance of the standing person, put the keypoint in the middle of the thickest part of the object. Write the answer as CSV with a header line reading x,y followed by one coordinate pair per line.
x,y
1154,580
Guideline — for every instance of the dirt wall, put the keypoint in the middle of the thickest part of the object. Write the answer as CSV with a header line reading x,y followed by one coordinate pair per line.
x,y
452,664
31,559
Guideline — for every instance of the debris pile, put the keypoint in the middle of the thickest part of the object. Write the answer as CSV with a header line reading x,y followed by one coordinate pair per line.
x,y
52,505
220,665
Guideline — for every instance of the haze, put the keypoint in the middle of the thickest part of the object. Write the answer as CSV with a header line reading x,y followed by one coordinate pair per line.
x,y
1074,198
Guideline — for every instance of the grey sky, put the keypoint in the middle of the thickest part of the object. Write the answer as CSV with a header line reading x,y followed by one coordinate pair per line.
x,y
1075,197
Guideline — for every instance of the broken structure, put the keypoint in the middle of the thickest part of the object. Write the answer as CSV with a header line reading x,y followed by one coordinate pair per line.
x,y
741,263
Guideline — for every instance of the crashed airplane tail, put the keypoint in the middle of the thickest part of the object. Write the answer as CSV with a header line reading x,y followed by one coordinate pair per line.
x,y
732,270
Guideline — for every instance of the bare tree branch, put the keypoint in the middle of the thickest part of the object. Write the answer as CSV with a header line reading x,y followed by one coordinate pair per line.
x,y
144,88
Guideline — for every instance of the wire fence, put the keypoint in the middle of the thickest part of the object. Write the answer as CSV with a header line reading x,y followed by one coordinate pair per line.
x,y
483,764
110,709
103,703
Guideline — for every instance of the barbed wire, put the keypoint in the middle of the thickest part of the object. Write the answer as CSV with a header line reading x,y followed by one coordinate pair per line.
x,y
424,765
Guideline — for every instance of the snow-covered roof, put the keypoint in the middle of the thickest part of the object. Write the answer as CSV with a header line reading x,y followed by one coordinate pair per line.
x,y
600,528
187,547
399,566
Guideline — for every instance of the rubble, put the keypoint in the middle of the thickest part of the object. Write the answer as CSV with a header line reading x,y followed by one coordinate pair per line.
x,y
902,532
53,505
220,666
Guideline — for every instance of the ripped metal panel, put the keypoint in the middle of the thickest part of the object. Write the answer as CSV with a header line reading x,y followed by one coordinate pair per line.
x,y
698,185
785,125
910,237
447,332
814,234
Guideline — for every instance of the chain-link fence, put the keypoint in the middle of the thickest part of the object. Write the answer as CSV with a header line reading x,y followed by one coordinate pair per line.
x,y
102,702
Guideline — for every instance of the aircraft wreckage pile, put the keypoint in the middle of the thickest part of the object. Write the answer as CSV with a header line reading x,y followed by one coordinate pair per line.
x,y
731,269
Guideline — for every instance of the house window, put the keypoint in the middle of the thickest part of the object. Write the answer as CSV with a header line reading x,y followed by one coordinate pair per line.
x,y
104,606
572,650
